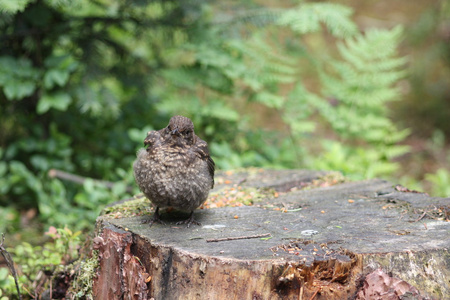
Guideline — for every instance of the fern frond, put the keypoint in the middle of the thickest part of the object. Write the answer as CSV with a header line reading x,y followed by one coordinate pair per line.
x,y
299,107
362,81
376,43
264,64
307,18
258,17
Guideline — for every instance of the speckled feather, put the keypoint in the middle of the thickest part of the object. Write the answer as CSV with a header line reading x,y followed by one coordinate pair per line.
x,y
176,169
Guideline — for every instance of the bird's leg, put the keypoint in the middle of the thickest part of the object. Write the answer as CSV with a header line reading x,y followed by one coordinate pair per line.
x,y
190,220
156,218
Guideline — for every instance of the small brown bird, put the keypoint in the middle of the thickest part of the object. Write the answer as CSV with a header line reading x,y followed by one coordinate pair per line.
x,y
176,169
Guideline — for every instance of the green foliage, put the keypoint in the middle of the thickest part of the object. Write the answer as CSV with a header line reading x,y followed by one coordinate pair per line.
x,y
355,88
7,286
10,219
34,263
440,182
81,286
273,74
426,107
362,84
13,6
75,82
309,17
356,91
18,77
82,82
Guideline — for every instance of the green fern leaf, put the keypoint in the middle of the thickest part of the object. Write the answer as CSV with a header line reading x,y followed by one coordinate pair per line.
x,y
307,18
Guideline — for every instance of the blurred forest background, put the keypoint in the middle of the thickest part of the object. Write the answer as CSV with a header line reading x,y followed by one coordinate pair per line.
x,y
361,87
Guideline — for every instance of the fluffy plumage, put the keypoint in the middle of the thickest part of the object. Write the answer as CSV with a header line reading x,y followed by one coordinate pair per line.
x,y
175,170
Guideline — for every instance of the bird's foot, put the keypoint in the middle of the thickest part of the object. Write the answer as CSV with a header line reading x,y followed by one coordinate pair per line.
x,y
155,219
152,221
190,221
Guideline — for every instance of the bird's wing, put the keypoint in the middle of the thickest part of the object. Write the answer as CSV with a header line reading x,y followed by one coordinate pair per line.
x,y
153,139
203,152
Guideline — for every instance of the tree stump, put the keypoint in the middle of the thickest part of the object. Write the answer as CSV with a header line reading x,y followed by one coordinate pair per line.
x,y
301,235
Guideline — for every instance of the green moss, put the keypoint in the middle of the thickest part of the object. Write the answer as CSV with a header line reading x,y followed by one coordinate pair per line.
x,y
81,287
237,196
136,206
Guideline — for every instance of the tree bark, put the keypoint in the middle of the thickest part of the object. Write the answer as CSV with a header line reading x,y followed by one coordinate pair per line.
x,y
305,239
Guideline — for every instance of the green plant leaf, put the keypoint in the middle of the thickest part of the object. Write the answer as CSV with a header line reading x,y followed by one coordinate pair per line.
x,y
55,76
269,99
19,90
18,77
58,100
9,6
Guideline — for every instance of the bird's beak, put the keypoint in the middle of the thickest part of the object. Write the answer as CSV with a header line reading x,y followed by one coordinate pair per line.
x,y
175,132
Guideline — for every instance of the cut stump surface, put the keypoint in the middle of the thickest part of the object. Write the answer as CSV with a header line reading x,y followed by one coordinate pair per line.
x,y
304,236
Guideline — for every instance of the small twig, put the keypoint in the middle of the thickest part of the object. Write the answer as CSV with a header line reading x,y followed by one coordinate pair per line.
x,y
53,173
51,289
242,181
29,293
421,217
10,263
315,293
320,287
446,214
239,238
